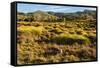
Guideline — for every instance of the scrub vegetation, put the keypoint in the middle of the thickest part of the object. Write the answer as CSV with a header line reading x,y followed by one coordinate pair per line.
x,y
51,37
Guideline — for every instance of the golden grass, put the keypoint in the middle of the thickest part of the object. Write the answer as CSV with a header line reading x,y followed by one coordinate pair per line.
x,y
50,43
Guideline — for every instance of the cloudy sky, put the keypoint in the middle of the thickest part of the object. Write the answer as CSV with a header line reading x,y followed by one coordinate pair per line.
x,y
21,7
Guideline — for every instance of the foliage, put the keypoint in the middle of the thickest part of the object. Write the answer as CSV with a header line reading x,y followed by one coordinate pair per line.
x,y
51,37
70,39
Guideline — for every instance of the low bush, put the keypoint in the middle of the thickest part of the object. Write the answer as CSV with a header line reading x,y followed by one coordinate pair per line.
x,y
70,39
92,37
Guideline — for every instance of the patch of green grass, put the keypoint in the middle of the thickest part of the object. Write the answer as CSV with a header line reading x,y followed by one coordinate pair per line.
x,y
92,37
65,38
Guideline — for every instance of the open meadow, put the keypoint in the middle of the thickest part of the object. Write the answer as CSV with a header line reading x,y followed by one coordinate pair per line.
x,y
55,42
53,37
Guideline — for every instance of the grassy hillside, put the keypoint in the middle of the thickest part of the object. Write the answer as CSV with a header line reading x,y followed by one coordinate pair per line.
x,y
55,42
48,38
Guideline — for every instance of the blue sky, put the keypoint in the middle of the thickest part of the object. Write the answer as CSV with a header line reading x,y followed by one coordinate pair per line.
x,y
34,7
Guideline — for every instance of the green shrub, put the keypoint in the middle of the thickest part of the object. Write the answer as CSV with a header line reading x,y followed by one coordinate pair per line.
x,y
65,38
92,37
81,39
